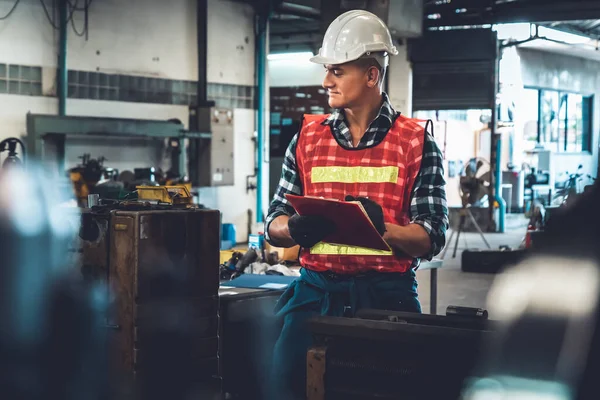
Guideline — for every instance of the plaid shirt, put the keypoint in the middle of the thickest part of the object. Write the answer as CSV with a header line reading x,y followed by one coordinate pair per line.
x,y
428,203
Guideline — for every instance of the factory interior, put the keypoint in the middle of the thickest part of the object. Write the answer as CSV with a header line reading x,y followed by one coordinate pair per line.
x,y
299,199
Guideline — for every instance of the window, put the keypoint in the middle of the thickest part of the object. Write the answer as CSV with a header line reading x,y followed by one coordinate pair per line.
x,y
563,120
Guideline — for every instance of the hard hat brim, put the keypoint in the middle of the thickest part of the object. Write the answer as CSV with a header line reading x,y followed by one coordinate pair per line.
x,y
318,59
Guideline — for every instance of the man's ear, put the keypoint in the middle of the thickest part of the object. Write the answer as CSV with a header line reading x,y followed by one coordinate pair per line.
x,y
373,76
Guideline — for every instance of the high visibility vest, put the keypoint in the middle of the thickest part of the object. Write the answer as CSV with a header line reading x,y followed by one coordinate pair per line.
x,y
384,173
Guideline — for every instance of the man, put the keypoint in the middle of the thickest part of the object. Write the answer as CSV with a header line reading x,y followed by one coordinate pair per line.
x,y
363,151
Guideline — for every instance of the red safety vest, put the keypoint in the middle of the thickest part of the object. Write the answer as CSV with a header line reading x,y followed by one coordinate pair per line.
x,y
385,173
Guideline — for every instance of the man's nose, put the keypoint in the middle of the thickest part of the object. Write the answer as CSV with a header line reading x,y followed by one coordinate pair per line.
x,y
327,81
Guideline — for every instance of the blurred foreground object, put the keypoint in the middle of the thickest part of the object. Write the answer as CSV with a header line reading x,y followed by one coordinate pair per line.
x,y
545,347
575,228
549,344
52,330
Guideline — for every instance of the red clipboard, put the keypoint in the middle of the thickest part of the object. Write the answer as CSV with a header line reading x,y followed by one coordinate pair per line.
x,y
354,227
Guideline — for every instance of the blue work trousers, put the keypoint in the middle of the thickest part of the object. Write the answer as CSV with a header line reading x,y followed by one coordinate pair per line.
x,y
323,293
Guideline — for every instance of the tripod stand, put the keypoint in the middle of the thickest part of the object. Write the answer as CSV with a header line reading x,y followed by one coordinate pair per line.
x,y
464,213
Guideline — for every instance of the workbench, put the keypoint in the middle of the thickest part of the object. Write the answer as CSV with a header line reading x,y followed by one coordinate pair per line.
x,y
432,266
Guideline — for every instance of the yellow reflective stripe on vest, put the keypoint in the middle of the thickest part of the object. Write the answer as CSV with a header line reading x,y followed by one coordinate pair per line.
x,y
343,250
359,174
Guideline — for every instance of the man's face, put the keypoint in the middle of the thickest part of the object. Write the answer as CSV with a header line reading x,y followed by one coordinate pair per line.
x,y
345,84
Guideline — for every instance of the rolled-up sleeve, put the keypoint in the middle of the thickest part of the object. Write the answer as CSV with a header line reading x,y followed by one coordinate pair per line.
x,y
428,206
289,183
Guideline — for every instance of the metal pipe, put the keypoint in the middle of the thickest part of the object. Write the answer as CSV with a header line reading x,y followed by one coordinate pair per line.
x,y
62,76
300,10
498,149
202,38
498,188
261,88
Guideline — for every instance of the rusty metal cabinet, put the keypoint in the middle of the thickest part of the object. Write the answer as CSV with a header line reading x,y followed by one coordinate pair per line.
x,y
162,270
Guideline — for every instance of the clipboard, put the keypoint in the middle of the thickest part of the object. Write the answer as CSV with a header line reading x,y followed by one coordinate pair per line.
x,y
354,227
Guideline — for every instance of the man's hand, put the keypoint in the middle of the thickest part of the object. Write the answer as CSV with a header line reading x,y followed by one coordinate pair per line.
x,y
309,230
374,211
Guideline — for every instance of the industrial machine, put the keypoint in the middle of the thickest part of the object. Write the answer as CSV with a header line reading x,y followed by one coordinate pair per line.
x,y
393,355
87,176
204,153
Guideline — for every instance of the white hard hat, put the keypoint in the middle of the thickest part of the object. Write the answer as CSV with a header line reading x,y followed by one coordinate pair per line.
x,y
353,35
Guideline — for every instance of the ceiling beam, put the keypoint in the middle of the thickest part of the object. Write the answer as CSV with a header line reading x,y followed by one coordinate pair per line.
x,y
475,12
299,10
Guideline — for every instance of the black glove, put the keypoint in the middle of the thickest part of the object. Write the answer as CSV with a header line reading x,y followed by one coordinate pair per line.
x,y
309,230
374,211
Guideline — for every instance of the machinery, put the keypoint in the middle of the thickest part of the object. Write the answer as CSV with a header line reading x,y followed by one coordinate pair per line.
x,y
178,195
10,145
88,176
393,355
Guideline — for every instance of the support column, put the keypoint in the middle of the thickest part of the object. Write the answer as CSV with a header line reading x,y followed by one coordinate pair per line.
x,y
262,93
495,156
61,71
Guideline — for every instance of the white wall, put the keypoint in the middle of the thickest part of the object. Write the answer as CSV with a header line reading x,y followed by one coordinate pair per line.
x,y
26,37
230,42
148,38
137,37
145,37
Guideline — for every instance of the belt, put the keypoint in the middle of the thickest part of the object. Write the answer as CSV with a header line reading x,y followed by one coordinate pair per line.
x,y
341,277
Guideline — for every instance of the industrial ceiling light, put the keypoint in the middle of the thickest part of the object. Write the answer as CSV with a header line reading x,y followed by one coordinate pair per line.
x,y
524,31
515,31
560,36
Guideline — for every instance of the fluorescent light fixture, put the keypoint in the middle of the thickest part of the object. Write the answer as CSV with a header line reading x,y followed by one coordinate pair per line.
x,y
516,31
561,36
523,31
300,56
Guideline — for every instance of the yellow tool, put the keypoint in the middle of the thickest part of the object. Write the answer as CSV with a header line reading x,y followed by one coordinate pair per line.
x,y
179,182
175,195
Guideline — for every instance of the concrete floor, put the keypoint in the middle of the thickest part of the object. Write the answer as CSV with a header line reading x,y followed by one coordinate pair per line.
x,y
463,288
